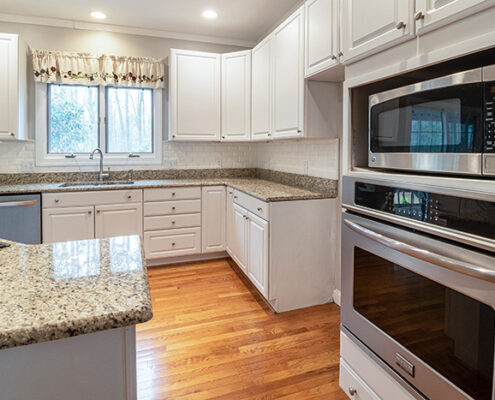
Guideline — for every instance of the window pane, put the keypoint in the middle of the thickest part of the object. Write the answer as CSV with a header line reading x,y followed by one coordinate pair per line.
x,y
72,118
129,120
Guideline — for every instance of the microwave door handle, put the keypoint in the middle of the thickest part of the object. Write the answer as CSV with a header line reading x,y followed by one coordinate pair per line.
x,y
17,203
425,255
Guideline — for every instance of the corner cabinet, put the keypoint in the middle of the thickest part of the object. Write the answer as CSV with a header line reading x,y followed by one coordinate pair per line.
x,y
371,26
213,219
194,95
13,88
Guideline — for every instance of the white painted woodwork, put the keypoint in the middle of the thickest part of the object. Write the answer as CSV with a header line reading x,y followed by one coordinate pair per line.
x,y
262,90
350,382
159,222
172,242
97,197
236,96
213,214
99,365
177,193
371,26
437,13
229,221
172,207
322,44
288,77
252,204
68,223
13,94
239,237
118,220
258,253
194,95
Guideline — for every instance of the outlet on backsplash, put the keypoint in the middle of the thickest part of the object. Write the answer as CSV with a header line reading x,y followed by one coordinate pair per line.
x,y
219,163
306,167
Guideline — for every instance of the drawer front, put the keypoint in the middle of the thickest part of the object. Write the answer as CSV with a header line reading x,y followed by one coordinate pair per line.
x,y
172,221
100,197
256,206
172,243
172,207
353,385
179,193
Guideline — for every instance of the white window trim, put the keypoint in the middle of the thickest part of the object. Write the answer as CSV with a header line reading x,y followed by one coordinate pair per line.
x,y
43,158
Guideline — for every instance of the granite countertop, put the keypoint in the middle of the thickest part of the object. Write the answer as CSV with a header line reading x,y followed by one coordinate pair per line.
x,y
265,190
54,291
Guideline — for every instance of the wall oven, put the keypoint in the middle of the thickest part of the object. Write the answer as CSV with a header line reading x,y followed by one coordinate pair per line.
x,y
442,125
418,284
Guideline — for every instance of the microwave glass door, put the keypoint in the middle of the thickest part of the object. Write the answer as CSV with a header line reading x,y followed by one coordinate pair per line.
x,y
451,332
445,120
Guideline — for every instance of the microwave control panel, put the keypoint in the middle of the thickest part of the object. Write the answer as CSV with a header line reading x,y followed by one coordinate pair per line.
x,y
458,213
489,137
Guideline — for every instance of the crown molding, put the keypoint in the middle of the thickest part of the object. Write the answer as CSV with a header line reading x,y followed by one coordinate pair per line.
x,y
129,30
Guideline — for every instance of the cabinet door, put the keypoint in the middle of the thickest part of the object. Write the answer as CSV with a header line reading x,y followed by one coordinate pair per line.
x,y
119,220
262,88
229,216
322,35
288,77
194,95
65,224
432,14
236,96
258,253
8,86
371,26
213,219
239,237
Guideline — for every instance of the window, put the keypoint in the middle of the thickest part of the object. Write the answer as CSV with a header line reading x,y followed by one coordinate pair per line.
x,y
125,123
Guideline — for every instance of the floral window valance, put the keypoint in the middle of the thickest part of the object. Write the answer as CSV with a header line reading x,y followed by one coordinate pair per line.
x,y
91,69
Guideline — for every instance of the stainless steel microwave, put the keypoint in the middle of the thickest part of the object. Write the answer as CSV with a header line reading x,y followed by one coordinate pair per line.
x,y
444,125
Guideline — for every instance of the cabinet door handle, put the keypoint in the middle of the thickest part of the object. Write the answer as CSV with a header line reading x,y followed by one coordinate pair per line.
x,y
98,211
341,53
173,193
236,197
352,391
419,15
173,243
260,209
173,208
21,203
173,222
12,134
401,25
90,212
129,196
334,57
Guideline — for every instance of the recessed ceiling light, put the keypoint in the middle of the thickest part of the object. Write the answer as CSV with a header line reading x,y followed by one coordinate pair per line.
x,y
210,14
98,15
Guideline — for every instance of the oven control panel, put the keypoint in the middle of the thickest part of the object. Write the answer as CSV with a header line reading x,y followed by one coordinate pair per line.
x,y
458,213
489,137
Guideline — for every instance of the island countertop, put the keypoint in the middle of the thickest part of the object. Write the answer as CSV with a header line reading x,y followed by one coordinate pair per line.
x,y
59,290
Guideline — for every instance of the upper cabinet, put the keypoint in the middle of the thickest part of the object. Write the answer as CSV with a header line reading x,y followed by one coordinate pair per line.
x,y
194,95
236,96
371,26
13,96
432,14
322,43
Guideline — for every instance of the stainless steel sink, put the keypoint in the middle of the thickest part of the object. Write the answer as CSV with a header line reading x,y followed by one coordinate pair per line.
x,y
96,183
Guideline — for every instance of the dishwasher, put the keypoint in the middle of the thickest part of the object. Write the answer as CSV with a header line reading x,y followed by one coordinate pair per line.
x,y
20,218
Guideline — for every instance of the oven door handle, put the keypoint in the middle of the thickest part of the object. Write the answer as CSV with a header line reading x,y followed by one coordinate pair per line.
x,y
425,255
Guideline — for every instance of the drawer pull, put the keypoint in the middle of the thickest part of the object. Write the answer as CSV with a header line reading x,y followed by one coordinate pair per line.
x,y
260,209
57,200
129,196
173,222
173,193
236,197
173,208
90,212
173,243
352,391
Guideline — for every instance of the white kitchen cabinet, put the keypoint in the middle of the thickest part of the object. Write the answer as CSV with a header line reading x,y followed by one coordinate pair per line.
x,y
288,77
236,96
258,253
68,223
239,237
13,84
195,107
371,26
432,14
172,243
322,36
262,90
229,221
118,220
213,219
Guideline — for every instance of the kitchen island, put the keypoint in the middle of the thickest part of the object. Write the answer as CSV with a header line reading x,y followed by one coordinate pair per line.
x,y
68,312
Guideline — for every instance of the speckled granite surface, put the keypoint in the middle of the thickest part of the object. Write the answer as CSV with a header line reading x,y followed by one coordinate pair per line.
x,y
274,185
53,291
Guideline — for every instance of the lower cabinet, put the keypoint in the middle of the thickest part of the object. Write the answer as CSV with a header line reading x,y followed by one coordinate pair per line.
x,y
118,220
213,219
172,242
239,236
68,223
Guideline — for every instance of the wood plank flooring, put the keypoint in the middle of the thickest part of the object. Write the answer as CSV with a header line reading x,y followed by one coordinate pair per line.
x,y
212,337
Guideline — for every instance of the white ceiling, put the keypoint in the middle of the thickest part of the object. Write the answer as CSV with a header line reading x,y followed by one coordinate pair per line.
x,y
237,21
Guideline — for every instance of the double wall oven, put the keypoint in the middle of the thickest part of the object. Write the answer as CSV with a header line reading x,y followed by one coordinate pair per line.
x,y
418,284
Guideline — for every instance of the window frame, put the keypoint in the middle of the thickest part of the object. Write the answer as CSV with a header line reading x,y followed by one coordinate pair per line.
x,y
43,158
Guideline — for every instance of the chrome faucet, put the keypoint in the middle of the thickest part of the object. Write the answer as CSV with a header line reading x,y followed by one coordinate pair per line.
x,y
102,175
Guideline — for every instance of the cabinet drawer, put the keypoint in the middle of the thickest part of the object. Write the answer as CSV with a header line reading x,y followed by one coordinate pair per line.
x,y
179,193
353,385
74,199
172,207
256,206
172,242
171,221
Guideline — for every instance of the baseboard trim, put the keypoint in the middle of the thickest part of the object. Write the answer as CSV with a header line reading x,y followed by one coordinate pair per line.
x,y
336,297
185,259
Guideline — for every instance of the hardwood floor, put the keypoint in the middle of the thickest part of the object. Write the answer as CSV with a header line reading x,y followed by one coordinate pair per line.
x,y
212,337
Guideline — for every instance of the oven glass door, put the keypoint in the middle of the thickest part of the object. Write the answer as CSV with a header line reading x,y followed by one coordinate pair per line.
x,y
414,321
446,120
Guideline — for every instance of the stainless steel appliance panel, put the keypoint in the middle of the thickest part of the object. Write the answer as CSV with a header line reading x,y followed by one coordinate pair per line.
x,y
20,218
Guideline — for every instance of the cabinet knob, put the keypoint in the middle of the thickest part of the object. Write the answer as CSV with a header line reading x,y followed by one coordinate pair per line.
x,y
341,53
173,193
173,222
173,136
12,134
334,57
269,134
299,131
129,196
173,243
173,208
236,197
352,391
223,137
57,200
419,15
260,209
401,25
98,211
90,212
